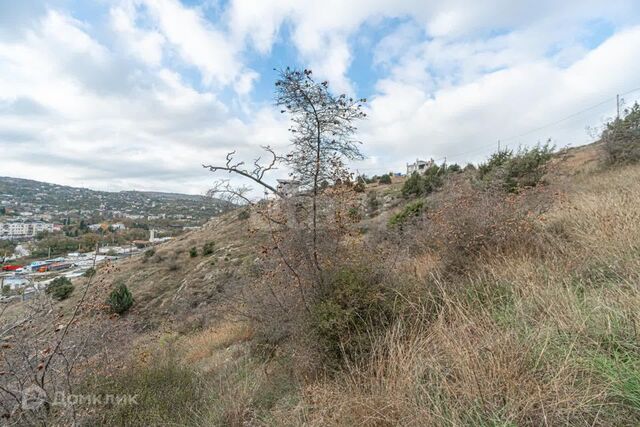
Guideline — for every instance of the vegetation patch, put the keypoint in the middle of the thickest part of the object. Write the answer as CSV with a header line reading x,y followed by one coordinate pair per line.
x,y
411,210
120,299
622,137
60,288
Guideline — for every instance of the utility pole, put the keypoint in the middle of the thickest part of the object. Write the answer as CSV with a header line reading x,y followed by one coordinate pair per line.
x,y
618,106
498,146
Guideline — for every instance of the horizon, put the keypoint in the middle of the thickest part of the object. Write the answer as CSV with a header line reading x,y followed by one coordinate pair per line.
x,y
136,95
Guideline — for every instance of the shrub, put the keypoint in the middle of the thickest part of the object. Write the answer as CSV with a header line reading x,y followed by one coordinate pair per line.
x,y
411,210
120,299
422,185
385,179
454,168
527,167
90,272
353,303
208,248
496,160
244,214
622,137
193,252
149,253
60,288
513,171
359,187
470,222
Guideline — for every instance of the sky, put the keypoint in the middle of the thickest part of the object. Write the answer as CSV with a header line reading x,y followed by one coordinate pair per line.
x,y
138,94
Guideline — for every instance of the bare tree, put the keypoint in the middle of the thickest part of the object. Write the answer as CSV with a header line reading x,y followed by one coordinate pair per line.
x,y
322,134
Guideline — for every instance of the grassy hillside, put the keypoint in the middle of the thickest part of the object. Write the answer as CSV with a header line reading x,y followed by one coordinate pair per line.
x,y
480,308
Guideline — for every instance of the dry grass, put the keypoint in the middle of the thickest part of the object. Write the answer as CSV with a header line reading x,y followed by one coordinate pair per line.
x,y
545,338
537,328
210,344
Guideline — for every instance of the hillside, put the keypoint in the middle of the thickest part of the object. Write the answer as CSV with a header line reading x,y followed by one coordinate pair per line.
x,y
62,201
513,318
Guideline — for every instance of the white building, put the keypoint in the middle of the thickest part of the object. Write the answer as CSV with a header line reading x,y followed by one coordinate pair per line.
x,y
419,166
19,230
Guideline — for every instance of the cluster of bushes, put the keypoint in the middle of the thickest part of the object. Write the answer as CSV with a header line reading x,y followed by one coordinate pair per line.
x,y
382,179
622,137
60,288
516,170
426,183
385,179
207,249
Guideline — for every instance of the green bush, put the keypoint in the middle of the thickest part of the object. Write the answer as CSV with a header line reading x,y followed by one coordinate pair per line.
x,y
244,214
385,179
90,272
120,299
359,187
193,252
60,288
513,171
411,210
354,303
208,248
427,183
454,168
622,137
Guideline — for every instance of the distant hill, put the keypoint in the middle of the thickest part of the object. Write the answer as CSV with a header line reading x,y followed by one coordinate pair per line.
x,y
59,201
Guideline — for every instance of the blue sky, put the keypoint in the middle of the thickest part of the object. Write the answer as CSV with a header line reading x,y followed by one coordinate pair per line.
x,y
124,94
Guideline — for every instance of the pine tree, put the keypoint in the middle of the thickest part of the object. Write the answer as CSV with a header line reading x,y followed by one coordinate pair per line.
x,y
120,300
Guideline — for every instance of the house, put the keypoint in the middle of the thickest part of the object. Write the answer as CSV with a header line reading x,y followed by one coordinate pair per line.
x,y
288,187
419,166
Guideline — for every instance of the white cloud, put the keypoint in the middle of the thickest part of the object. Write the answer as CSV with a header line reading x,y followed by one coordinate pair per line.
x,y
146,45
469,119
141,96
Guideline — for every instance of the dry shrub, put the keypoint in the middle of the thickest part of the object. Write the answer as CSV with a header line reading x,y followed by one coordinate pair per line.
x,y
467,223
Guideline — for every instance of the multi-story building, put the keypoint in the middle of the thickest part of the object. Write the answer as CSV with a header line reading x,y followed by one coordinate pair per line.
x,y
419,166
24,229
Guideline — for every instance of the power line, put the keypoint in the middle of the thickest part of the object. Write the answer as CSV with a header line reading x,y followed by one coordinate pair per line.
x,y
539,128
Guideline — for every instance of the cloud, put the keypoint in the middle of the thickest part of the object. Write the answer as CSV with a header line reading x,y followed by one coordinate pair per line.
x,y
464,122
139,93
